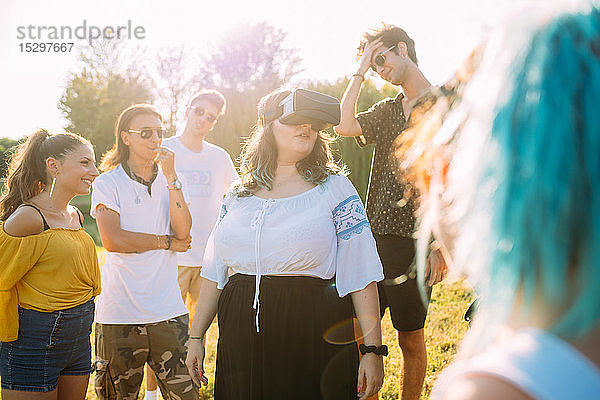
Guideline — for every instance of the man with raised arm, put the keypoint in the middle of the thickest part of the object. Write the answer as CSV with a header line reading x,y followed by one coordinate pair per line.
x,y
390,53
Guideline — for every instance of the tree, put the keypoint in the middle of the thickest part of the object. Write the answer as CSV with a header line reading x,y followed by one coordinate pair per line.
x,y
248,63
175,84
94,97
251,58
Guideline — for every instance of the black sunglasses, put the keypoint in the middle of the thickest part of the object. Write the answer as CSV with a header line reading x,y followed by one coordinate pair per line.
x,y
200,111
380,59
146,133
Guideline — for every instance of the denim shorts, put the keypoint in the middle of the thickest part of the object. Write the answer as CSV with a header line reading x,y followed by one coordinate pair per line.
x,y
50,344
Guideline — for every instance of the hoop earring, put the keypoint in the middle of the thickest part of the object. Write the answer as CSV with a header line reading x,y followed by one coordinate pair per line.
x,y
52,186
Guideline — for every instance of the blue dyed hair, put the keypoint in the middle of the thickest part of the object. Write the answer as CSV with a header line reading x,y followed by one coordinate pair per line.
x,y
544,162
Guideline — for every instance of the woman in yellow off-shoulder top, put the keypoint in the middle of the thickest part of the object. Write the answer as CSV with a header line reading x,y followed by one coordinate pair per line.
x,y
50,274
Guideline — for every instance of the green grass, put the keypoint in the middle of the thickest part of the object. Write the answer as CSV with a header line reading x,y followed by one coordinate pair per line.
x,y
444,330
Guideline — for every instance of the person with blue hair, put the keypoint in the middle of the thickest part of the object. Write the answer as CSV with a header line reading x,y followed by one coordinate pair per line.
x,y
511,193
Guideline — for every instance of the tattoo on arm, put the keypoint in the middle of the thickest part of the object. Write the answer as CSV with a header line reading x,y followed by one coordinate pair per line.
x,y
101,209
177,204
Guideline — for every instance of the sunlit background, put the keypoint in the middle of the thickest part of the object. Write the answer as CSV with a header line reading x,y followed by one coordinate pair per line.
x,y
325,34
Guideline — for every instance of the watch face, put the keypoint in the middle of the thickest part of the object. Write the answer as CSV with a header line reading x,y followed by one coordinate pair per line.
x,y
176,184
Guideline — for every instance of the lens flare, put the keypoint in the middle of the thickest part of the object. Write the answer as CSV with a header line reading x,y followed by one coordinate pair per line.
x,y
344,332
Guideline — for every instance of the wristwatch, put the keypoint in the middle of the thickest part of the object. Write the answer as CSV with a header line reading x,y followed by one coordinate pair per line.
x,y
379,350
175,184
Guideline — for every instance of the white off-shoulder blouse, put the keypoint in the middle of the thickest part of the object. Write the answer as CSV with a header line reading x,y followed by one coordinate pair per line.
x,y
323,232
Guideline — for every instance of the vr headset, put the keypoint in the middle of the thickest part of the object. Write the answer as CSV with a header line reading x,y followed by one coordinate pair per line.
x,y
303,106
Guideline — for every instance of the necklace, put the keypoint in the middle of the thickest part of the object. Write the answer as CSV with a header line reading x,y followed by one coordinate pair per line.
x,y
281,182
138,179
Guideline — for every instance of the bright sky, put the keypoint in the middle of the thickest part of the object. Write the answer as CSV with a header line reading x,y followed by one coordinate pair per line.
x,y
325,31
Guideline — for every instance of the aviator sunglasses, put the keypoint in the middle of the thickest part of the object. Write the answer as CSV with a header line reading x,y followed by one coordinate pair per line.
x,y
380,59
200,111
146,133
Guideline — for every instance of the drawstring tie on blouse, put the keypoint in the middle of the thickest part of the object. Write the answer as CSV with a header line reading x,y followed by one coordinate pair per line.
x,y
257,223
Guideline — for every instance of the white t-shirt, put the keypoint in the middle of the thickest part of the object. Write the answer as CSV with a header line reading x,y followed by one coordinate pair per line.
x,y
540,364
207,176
323,232
137,288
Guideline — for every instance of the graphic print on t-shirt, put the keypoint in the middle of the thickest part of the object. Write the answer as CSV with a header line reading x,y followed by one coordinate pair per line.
x,y
198,182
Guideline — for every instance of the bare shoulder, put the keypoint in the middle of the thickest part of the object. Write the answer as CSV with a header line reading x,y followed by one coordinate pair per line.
x,y
478,386
74,211
25,221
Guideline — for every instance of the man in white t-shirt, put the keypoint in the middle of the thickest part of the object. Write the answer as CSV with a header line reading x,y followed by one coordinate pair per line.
x,y
143,220
208,172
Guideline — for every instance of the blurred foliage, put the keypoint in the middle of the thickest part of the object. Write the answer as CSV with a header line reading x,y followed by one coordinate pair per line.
x,y
7,146
94,97
174,84
248,63
83,202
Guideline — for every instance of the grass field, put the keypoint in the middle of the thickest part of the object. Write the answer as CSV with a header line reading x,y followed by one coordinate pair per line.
x,y
444,330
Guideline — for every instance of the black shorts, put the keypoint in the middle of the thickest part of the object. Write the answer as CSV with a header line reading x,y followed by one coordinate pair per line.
x,y
400,290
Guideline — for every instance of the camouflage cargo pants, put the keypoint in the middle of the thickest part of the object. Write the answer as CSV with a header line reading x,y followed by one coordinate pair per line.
x,y
122,351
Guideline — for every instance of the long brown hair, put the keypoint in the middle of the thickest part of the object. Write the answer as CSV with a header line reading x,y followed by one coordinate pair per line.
x,y
27,173
120,151
259,156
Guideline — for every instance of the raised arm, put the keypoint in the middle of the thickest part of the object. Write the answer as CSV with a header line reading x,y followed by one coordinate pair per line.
x,y
349,125
181,220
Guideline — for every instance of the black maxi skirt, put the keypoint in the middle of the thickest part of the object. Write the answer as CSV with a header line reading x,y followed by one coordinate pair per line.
x,y
305,348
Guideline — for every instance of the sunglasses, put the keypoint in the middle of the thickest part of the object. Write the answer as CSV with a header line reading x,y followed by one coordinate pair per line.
x,y
201,112
380,59
146,133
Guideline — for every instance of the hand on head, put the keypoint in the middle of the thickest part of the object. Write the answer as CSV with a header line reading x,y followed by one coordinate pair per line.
x,y
366,60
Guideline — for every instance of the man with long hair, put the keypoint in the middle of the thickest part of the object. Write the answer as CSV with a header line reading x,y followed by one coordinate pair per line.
x,y
143,221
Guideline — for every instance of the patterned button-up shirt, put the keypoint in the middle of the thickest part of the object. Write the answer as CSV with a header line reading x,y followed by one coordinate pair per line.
x,y
390,207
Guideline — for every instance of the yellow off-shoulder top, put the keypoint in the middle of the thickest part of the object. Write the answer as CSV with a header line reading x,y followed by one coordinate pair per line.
x,y
50,271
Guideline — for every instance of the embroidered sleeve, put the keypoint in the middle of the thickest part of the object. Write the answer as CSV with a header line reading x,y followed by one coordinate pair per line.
x,y
222,213
357,261
349,218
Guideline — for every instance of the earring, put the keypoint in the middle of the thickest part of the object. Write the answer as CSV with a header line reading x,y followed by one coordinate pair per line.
x,y
52,186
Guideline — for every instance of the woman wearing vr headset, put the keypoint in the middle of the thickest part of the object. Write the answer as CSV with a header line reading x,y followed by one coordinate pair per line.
x,y
291,254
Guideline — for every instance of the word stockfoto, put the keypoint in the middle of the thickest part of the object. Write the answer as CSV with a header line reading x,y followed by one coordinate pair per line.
x,y
91,32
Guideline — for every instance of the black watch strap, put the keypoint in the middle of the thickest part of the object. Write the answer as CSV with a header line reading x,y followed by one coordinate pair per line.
x,y
379,350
